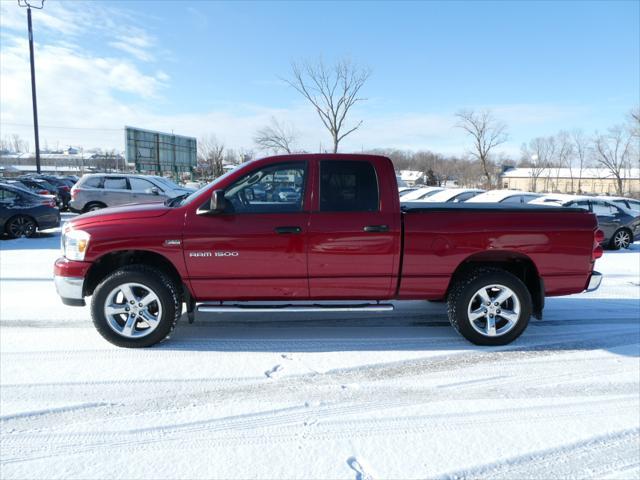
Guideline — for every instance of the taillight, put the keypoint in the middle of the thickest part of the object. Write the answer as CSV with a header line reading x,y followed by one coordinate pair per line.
x,y
74,193
49,202
65,188
43,192
598,238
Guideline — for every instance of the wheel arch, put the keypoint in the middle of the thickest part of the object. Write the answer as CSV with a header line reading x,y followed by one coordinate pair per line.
x,y
513,262
110,262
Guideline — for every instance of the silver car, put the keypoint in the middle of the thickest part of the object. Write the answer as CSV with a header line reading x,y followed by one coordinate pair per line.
x,y
101,190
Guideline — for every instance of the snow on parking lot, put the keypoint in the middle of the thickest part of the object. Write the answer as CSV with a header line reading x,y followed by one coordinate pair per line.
x,y
327,396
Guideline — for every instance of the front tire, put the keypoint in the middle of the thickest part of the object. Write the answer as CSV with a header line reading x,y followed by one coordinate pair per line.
x,y
489,306
136,306
620,239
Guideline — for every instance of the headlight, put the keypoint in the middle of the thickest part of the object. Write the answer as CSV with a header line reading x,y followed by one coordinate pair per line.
x,y
75,244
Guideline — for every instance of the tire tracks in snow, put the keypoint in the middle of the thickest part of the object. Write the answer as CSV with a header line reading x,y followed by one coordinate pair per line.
x,y
305,386
594,458
288,425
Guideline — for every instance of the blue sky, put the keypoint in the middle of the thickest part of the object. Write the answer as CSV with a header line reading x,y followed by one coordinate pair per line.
x,y
213,68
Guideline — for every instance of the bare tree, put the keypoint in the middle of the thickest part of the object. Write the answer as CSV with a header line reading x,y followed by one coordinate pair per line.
x,y
332,90
614,150
211,156
634,120
17,144
582,148
539,155
276,137
565,155
487,133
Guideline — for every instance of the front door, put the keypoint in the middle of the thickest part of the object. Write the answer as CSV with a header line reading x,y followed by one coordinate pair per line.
x,y
256,248
143,191
354,236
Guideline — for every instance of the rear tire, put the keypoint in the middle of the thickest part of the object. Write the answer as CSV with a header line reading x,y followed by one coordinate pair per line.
x,y
136,306
473,311
21,226
620,239
93,206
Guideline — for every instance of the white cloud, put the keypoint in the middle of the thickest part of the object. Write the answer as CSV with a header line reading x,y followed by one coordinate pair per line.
x,y
97,94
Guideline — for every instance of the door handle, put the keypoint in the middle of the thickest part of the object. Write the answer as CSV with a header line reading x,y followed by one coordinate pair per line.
x,y
376,228
285,230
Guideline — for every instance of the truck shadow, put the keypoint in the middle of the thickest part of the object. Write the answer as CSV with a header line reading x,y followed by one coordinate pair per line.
x,y
570,324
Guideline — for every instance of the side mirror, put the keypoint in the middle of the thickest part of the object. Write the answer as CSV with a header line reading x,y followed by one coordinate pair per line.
x,y
153,190
217,201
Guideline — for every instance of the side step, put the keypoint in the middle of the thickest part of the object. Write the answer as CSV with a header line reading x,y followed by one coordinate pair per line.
x,y
309,308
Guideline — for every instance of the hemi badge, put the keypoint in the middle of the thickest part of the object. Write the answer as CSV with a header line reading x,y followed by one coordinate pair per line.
x,y
171,243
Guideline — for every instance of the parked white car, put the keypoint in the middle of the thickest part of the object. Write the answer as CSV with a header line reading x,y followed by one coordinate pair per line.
x,y
453,195
420,193
504,196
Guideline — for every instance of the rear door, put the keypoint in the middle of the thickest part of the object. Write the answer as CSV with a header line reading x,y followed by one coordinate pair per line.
x,y
115,191
354,231
257,248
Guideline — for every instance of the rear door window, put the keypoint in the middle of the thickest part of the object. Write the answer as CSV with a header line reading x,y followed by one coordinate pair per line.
x,y
93,182
115,183
348,186
7,196
602,209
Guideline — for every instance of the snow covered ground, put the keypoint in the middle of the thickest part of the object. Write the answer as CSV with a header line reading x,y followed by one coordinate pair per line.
x,y
325,396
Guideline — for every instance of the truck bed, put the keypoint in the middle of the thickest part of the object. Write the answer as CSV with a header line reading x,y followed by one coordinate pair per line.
x,y
440,238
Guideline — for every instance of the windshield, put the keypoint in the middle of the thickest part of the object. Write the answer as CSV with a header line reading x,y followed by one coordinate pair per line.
x,y
191,197
167,181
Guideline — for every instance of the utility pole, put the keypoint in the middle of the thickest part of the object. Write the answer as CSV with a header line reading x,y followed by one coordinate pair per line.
x,y
28,5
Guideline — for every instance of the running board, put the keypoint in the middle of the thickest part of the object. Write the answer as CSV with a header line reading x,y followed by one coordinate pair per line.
x,y
311,308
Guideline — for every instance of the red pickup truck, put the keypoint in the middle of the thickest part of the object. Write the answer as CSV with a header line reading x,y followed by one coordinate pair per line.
x,y
321,232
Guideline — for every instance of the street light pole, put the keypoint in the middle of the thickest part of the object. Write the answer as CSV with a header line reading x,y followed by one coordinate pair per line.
x,y
26,3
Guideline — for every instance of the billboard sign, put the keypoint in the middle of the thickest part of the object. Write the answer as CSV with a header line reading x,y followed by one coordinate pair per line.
x,y
158,152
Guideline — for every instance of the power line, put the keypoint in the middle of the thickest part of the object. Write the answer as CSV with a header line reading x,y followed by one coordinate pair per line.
x,y
64,128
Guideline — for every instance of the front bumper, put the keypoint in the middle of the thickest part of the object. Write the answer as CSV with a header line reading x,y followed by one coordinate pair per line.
x,y
68,276
70,290
594,281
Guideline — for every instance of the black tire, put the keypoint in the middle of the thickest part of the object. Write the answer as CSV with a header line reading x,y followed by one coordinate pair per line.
x,y
155,280
622,238
21,226
90,207
463,292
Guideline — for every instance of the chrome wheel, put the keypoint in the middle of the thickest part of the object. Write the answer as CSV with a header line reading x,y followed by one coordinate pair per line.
x,y
21,226
93,208
622,239
494,310
133,310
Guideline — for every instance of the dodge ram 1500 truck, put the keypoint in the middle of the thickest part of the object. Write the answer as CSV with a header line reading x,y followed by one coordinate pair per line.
x,y
300,232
